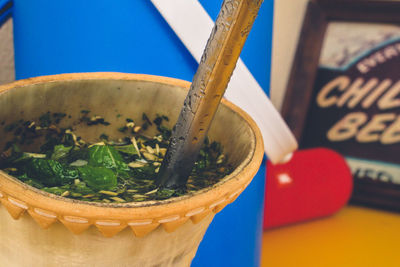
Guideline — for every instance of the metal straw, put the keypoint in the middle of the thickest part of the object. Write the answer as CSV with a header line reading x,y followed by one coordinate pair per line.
x,y
224,46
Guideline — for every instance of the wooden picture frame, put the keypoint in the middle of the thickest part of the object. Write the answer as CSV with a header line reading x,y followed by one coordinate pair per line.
x,y
302,90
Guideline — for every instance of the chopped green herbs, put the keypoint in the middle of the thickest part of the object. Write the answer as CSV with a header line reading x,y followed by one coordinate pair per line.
x,y
45,120
108,171
104,137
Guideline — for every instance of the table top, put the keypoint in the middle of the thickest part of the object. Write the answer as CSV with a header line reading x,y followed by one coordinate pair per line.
x,y
355,236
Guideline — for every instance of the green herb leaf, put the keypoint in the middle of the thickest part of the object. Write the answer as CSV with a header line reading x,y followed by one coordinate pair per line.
x,y
82,188
98,178
23,177
76,154
145,172
50,172
107,156
54,190
127,149
60,151
164,193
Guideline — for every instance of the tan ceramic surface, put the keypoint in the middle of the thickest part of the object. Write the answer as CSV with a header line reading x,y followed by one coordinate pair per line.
x,y
168,231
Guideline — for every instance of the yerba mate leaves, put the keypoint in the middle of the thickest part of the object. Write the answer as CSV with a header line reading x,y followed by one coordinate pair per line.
x,y
108,171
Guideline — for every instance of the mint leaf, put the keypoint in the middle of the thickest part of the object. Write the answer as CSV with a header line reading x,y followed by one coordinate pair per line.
x,y
108,157
127,149
50,172
60,151
98,178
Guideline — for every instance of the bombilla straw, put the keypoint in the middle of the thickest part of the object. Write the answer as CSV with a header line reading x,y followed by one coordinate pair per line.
x,y
218,61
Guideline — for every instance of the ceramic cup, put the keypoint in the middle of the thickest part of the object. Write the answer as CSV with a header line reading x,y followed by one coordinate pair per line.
x,y
49,230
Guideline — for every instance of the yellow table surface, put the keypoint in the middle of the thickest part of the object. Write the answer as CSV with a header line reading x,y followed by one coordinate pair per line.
x,y
355,236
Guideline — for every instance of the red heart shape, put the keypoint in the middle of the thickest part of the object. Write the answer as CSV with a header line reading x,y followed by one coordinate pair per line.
x,y
313,183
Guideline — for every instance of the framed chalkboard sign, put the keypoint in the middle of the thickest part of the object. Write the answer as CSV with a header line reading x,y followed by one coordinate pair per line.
x,y
344,91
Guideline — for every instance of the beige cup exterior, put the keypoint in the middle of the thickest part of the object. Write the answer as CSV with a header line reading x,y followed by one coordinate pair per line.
x,y
47,230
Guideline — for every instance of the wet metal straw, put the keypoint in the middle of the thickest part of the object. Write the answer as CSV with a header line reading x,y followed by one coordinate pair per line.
x,y
192,24
219,59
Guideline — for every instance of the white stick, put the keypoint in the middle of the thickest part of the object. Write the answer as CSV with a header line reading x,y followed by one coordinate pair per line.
x,y
193,26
